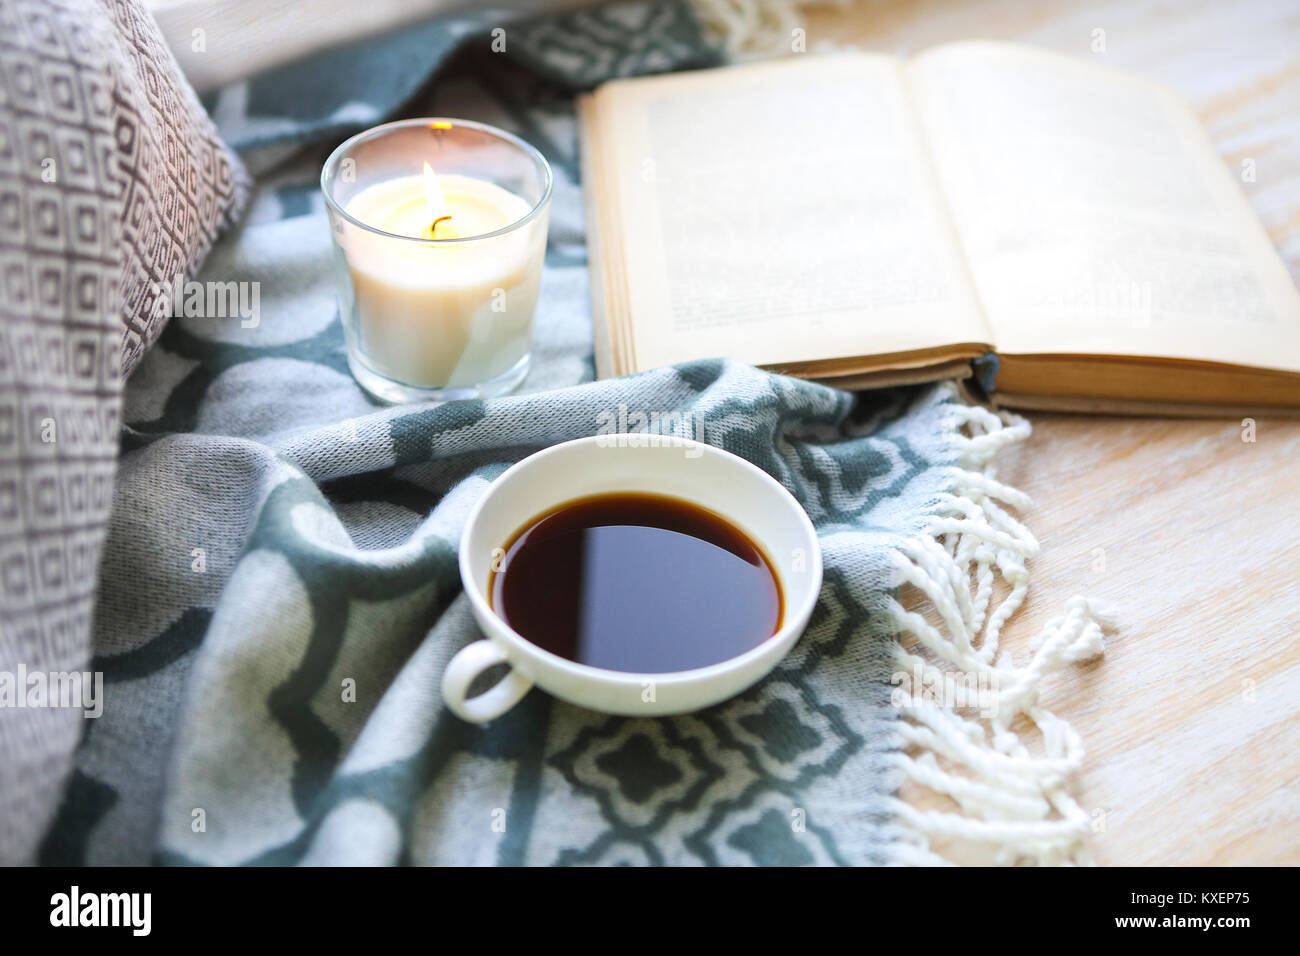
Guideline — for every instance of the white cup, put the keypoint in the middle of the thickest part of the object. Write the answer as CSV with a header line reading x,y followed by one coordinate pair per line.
x,y
705,476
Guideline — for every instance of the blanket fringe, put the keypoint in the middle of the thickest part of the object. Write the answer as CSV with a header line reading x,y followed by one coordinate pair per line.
x,y
1014,805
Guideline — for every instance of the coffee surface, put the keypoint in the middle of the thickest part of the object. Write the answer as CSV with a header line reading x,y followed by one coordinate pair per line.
x,y
637,582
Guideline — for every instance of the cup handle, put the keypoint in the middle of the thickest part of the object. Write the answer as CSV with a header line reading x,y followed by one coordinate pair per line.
x,y
469,662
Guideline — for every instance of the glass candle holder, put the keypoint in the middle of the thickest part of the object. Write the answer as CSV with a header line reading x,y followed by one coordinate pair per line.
x,y
439,233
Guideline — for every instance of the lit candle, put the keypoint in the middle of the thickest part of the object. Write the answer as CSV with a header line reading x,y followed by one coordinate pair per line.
x,y
443,313
439,232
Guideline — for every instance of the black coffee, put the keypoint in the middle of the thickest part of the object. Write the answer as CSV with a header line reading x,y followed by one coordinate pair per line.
x,y
637,582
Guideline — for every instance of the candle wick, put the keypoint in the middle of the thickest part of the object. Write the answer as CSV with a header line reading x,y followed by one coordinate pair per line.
x,y
433,230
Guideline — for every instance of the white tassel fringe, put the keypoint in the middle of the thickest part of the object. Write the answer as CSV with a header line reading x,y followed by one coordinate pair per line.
x,y
1015,806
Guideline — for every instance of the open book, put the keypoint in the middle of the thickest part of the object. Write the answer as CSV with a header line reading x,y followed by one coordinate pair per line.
x,y
867,220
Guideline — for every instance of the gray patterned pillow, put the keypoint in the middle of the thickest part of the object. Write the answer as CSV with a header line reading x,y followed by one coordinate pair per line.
x,y
112,182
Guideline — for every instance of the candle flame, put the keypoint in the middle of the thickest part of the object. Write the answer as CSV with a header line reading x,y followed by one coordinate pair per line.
x,y
435,203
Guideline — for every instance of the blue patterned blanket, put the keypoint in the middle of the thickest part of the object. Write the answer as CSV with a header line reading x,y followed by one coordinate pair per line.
x,y
280,594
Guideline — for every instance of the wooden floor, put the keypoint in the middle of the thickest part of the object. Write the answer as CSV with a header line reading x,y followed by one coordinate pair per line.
x,y
1193,534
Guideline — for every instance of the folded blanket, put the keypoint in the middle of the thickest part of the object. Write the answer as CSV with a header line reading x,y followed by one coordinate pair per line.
x,y
280,594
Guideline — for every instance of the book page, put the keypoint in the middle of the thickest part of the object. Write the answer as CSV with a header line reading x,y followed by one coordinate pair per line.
x,y
779,213
1096,216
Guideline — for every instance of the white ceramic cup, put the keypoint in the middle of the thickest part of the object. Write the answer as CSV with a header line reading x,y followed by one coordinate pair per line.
x,y
708,477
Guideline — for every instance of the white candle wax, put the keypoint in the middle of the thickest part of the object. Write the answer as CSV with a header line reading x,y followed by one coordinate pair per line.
x,y
443,314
